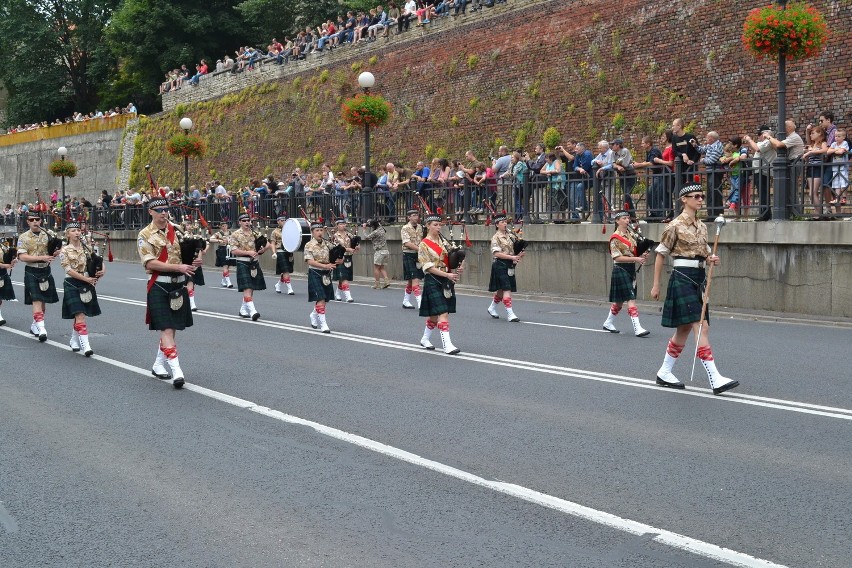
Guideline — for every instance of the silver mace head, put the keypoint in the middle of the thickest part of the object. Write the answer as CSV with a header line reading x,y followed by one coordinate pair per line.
x,y
720,222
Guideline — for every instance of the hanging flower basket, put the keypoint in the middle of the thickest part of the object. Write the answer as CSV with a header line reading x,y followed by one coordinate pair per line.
x,y
186,146
799,31
365,109
59,168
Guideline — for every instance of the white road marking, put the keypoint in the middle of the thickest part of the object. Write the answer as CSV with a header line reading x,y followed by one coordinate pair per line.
x,y
752,400
565,326
674,540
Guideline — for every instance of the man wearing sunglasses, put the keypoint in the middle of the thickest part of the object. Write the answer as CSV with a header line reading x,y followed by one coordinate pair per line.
x,y
39,287
685,240
168,299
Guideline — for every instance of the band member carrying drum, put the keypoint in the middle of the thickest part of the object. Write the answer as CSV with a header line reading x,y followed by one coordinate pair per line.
x,y
622,288
168,301
283,259
320,289
245,247
37,249
79,300
503,269
222,237
439,296
412,273
343,273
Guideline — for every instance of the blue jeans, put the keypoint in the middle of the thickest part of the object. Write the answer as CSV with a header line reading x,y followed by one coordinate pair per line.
x,y
577,199
734,195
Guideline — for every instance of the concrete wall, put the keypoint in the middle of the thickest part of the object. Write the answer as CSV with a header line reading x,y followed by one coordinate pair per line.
x,y
23,167
796,267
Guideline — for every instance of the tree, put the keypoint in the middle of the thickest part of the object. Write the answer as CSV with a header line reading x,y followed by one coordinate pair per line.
x,y
54,56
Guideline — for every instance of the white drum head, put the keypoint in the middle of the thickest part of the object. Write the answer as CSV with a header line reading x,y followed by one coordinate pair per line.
x,y
291,235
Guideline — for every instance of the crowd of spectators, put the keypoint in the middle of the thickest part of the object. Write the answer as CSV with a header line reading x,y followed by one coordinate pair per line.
x,y
347,29
76,117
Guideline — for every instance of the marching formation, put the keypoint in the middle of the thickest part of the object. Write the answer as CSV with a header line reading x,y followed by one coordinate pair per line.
x,y
172,255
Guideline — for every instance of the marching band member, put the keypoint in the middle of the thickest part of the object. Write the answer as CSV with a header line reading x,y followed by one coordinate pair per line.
x,y
343,273
167,299
439,298
197,277
79,300
320,289
411,233
622,288
503,269
685,240
39,287
6,290
222,237
249,275
283,259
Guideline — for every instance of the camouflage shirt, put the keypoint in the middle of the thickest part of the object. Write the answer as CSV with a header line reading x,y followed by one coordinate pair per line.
x,y
32,244
242,241
151,242
685,237
316,250
428,258
73,258
618,248
502,243
409,234
276,240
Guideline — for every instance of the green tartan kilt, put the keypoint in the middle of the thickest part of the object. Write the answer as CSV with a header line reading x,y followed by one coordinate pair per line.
x,y
500,279
162,315
283,262
433,302
73,305
32,293
317,291
341,272
244,279
683,297
409,267
198,277
221,255
6,290
621,284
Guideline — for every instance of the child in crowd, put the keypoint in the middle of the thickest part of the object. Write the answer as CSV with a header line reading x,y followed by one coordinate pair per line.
x,y
839,153
732,157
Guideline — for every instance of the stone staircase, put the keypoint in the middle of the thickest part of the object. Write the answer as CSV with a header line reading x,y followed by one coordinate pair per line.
x,y
126,153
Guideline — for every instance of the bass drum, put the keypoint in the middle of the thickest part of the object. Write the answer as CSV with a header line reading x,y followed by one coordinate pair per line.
x,y
295,234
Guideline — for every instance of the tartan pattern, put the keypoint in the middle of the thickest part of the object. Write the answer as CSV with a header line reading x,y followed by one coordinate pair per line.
x,y
433,302
31,290
244,279
283,263
409,267
316,290
683,297
621,282
221,256
198,277
343,273
72,304
162,316
6,292
500,279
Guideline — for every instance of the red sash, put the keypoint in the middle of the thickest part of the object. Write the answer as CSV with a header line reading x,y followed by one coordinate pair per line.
x,y
624,240
164,256
436,248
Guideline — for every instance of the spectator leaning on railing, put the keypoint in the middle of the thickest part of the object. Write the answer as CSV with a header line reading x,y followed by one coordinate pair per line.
x,y
711,155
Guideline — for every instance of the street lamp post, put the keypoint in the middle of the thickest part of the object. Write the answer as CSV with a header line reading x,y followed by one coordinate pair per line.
x,y
62,151
366,80
780,168
186,125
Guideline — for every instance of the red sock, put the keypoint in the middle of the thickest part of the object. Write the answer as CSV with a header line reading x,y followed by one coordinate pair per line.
x,y
431,324
705,353
286,280
444,325
345,287
508,303
408,289
38,316
614,309
498,299
225,273
169,352
282,278
674,349
634,312
191,292
320,309
81,328
246,299
416,290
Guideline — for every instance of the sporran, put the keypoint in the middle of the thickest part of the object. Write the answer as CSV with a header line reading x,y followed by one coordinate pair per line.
x,y
176,299
511,271
253,269
43,284
448,290
326,280
347,261
85,295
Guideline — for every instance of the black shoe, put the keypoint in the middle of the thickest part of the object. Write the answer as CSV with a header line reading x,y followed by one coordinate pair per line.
x,y
178,383
678,386
42,338
2,322
255,316
166,376
726,387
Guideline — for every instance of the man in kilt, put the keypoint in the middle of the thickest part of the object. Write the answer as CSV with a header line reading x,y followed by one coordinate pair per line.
x,y
344,272
222,238
168,301
249,275
283,259
79,300
320,289
412,272
685,240
6,290
504,261
39,287
439,295
622,288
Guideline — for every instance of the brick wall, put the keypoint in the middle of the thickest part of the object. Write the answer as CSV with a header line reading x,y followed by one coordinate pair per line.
x,y
590,70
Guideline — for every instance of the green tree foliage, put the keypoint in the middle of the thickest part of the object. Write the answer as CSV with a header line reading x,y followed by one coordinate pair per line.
x,y
54,57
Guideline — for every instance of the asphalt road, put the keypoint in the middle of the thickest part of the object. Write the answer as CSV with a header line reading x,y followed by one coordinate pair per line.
x,y
545,443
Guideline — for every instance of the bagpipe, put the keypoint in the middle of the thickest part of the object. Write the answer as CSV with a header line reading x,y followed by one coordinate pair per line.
x,y
336,251
519,244
643,243
455,253
8,248
354,241
54,243
192,242
94,261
